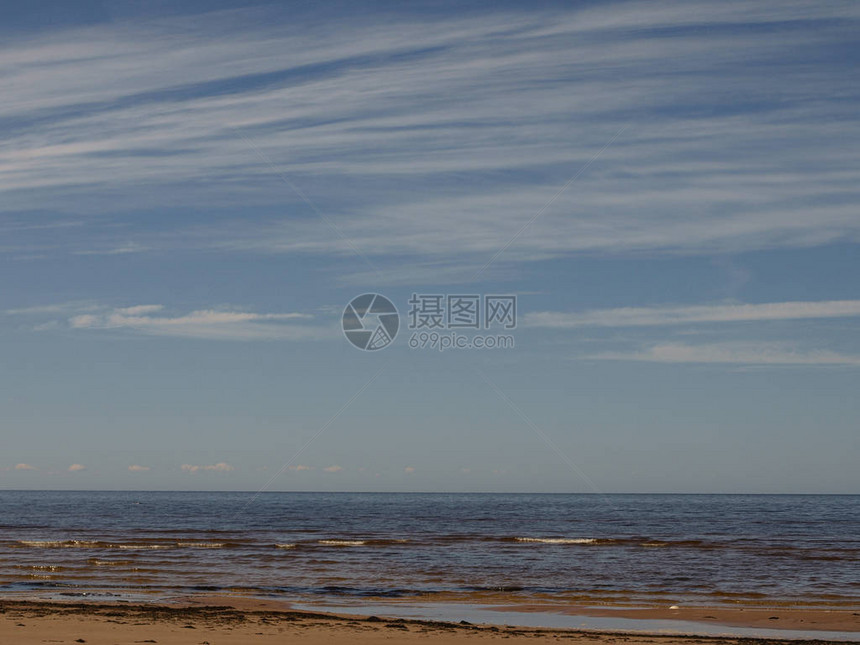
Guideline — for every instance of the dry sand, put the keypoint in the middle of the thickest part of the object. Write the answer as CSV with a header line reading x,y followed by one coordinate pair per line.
x,y
26,622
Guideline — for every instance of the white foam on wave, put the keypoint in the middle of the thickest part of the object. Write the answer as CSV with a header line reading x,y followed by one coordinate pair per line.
x,y
343,542
285,546
201,545
58,544
557,540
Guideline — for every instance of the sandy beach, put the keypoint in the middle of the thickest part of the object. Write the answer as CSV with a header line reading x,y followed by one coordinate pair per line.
x,y
26,622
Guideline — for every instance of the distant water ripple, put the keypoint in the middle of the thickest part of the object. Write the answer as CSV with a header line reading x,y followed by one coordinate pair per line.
x,y
723,549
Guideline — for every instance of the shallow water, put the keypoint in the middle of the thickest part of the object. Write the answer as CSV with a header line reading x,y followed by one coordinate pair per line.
x,y
476,614
690,549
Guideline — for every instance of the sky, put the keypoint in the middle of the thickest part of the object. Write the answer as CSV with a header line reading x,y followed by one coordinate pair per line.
x,y
192,192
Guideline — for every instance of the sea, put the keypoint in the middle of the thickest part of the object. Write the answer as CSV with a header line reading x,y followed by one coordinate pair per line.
x,y
638,549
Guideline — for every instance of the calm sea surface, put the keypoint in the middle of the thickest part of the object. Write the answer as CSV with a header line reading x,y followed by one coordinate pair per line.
x,y
755,549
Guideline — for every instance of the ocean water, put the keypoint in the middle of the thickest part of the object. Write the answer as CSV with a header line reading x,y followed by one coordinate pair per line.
x,y
637,549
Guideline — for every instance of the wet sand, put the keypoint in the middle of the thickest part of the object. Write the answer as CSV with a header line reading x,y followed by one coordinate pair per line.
x,y
243,621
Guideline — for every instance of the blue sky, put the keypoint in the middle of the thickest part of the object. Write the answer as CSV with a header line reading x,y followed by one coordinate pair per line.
x,y
192,192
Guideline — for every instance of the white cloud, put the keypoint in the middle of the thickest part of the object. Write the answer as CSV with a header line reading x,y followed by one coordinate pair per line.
x,y
61,308
115,250
139,310
24,467
84,321
740,353
677,315
138,469
204,324
74,468
409,470
300,468
222,467
333,469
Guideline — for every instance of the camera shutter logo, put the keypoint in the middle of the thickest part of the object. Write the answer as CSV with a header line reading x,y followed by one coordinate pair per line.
x,y
370,321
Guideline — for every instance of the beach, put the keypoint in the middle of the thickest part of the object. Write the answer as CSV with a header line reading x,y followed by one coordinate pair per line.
x,y
240,622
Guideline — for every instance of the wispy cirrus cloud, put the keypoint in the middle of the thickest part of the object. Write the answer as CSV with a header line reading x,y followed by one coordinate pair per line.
x,y
152,319
737,353
695,314
203,324
737,140
60,308
720,319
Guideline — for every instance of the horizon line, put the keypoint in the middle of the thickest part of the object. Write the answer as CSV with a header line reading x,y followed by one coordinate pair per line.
x,y
404,492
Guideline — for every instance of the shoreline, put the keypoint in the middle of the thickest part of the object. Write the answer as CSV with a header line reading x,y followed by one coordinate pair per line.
x,y
228,619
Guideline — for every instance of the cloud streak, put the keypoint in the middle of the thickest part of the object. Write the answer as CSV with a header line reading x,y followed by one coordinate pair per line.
x,y
207,324
738,353
695,314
